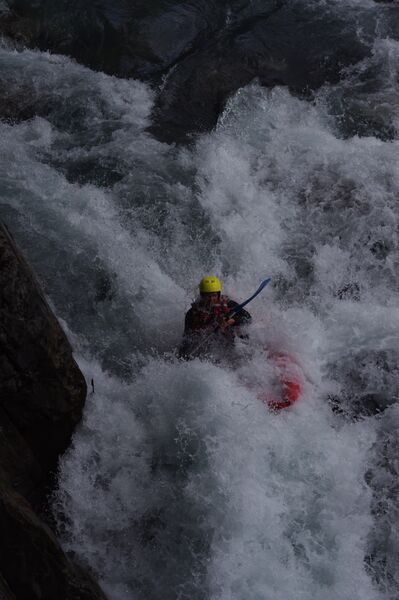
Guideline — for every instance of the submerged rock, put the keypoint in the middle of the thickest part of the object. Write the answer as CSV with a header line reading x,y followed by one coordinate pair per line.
x,y
383,477
370,383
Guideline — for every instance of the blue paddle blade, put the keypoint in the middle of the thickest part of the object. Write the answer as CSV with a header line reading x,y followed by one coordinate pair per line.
x,y
258,291
263,285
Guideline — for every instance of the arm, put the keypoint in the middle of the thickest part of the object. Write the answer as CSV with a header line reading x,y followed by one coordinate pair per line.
x,y
241,318
188,322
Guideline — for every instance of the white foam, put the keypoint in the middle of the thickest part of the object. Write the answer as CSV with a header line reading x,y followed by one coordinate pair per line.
x,y
179,480
277,502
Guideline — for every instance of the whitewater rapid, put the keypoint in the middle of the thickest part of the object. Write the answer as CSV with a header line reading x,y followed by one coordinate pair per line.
x,y
179,483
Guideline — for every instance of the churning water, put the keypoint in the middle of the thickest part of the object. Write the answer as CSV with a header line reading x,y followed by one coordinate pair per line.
x,y
179,483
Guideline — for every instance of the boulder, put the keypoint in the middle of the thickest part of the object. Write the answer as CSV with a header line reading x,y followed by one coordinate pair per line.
x,y
42,395
289,45
141,39
5,592
196,54
17,462
42,390
33,564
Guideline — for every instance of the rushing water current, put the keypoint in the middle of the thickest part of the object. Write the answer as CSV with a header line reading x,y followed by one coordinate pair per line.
x,y
179,483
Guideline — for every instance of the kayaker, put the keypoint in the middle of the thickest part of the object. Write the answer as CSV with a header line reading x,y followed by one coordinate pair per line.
x,y
209,317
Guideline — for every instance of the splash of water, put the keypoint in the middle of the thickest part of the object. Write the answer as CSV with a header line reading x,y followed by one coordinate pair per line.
x,y
179,483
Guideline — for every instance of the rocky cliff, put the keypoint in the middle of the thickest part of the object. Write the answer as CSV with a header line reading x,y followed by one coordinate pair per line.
x,y
42,394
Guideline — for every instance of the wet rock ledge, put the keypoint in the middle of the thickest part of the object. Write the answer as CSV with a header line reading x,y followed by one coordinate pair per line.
x,y
194,54
42,394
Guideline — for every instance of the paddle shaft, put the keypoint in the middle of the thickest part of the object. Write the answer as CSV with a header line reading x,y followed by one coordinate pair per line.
x,y
238,308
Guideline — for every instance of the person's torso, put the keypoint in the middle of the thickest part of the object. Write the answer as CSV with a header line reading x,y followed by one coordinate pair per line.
x,y
204,316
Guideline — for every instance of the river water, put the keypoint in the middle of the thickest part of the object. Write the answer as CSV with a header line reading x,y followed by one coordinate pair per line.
x,y
179,483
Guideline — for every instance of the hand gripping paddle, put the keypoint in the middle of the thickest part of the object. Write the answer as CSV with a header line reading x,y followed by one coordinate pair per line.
x,y
241,306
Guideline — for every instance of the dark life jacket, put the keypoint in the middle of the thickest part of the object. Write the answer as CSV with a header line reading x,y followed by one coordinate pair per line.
x,y
202,316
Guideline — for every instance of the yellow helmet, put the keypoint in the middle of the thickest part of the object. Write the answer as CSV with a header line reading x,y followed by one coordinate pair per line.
x,y
210,284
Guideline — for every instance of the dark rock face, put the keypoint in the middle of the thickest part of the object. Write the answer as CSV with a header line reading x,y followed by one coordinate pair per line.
x,y
42,394
5,592
31,559
17,461
41,387
204,51
141,39
263,48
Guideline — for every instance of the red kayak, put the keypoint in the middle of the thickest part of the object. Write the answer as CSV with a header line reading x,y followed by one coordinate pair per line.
x,y
290,378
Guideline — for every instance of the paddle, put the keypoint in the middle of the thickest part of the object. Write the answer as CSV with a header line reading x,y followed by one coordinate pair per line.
x,y
235,311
